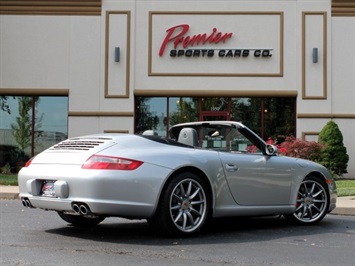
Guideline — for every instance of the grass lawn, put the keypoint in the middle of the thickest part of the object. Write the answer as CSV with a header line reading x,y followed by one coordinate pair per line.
x,y
8,180
344,187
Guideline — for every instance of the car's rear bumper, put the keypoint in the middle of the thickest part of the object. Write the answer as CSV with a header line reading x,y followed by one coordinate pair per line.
x,y
93,207
106,193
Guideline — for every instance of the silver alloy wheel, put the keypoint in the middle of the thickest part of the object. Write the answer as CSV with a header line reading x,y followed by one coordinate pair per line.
x,y
312,202
188,205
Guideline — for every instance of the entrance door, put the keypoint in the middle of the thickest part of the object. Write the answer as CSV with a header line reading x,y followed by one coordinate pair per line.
x,y
213,109
214,116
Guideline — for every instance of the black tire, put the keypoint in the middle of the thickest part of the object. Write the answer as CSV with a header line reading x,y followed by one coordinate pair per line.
x,y
81,220
312,202
183,208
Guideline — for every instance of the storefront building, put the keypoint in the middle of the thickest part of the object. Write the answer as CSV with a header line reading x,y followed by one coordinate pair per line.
x,y
69,68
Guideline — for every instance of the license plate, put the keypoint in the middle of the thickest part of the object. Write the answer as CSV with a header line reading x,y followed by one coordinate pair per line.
x,y
48,189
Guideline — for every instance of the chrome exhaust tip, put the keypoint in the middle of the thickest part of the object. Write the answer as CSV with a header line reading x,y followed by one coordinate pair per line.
x,y
81,208
26,203
76,208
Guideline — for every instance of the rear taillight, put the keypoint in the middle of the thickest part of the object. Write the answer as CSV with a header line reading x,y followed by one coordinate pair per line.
x,y
28,162
110,163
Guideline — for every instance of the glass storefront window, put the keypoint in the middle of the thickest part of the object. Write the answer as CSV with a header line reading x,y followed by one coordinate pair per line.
x,y
279,117
183,109
268,117
248,112
151,113
215,104
29,125
51,126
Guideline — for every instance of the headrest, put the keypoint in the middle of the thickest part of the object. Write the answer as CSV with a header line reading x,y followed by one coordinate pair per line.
x,y
150,133
188,136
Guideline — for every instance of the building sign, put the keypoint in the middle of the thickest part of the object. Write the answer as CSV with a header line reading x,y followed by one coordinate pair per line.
x,y
183,44
216,44
178,36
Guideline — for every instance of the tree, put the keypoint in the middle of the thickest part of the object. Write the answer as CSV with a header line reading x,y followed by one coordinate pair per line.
x,y
334,155
3,104
22,129
186,111
145,119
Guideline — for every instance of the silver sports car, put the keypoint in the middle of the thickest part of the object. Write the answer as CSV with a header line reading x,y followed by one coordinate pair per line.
x,y
203,170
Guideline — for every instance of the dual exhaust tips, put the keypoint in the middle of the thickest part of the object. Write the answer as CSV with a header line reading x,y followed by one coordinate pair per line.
x,y
26,203
81,208
78,207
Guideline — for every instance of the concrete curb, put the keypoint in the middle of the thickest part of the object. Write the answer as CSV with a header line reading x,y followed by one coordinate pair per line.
x,y
343,211
345,205
9,192
9,196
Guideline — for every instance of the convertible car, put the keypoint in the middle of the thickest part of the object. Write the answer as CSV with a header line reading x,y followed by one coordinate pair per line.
x,y
201,171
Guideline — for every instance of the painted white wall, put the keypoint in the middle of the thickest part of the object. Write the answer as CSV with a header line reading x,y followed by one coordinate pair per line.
x,y
34,51
143,81
343,67
343,81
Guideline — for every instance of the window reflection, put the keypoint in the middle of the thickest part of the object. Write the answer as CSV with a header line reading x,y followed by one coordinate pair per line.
x,y
151,115
28,125
183,109
50,123
215,104
248,112
279,116
268,117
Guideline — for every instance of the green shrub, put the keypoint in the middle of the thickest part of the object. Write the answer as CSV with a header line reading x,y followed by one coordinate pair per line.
x,y
333,155
6,169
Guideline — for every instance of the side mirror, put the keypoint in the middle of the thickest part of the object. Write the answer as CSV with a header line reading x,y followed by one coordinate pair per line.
x,y
271,149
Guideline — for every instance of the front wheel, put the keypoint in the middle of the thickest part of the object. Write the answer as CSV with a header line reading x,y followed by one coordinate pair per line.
x,y
81,220
183,207
312,202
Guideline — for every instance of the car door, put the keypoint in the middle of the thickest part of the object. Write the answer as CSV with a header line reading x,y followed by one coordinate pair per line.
x,y
256,179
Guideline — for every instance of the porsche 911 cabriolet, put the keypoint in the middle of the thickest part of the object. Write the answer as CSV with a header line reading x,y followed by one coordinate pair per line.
x,y
201,171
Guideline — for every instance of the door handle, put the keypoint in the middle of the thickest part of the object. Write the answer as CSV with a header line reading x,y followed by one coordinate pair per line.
x,y
231,167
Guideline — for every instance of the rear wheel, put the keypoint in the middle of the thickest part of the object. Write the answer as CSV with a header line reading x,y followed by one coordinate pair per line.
x,y
183,207
81,220
312,202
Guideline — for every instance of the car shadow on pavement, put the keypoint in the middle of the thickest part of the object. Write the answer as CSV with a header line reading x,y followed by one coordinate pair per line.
x,y
223,230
